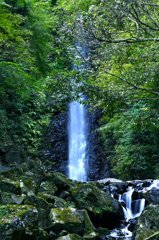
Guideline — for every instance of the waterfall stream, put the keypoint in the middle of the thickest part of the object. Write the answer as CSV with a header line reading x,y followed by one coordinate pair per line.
x,y
132,209
77,136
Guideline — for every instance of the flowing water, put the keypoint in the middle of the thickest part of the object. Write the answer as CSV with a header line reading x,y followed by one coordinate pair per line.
x,y
132,209
77,136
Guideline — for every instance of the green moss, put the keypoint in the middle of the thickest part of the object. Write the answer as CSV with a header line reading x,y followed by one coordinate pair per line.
x,y
42,235
3,211
103,231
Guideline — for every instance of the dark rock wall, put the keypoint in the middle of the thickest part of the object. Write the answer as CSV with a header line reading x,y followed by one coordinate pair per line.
x,y
98,168
55,145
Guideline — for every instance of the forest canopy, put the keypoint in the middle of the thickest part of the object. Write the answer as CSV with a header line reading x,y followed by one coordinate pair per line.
x,y
38,44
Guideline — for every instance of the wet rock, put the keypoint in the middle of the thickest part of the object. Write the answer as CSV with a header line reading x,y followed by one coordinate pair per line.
x,y
11,187
28,184
89,230
56,201
68,219
42,235
9,198
61,181
71,237
152,196
19,222
36,201
64,194
14,156
114,185
103,210
48,187
148,222
102,231
137,195
132,225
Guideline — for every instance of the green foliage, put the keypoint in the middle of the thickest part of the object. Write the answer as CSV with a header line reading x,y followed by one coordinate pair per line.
x,y
131,140
33,66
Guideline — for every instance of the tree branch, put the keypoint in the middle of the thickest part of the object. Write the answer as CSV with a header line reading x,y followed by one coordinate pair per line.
x,y
129,83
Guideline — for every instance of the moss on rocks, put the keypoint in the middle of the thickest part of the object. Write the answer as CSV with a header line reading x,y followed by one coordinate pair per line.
x,y
36,201
42,235
68,219
18,222
48,187
11,186
102,209
56,201
9,198
148,222
71,237
61,181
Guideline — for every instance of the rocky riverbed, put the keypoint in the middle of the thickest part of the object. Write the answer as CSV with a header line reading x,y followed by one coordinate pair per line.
x,y
37,203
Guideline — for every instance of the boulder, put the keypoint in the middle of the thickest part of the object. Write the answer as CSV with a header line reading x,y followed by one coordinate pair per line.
x,y
10,198
71,237
48,187
11,186
104,211
61,181
56,201
148,222
152,196
114,185
42,235
18,222
14,156
36,201
68,219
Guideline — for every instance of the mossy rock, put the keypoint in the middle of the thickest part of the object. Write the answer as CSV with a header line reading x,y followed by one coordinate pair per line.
x,y
48,165
68,219
44,220
42,235
35,166
71,237
14,155
28,184
148,222
89,230
56,201
60,180
13,173
49,187
36,201
10,198
102,231
18,222
11,186
103,210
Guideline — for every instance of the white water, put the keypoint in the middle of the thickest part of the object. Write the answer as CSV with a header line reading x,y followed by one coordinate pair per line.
x,y
132,209
139,205
77,137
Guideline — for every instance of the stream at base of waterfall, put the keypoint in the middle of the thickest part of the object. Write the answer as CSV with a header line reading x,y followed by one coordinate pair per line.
x,y
132,209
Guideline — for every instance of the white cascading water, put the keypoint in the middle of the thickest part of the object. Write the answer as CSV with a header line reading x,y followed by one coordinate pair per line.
x,y
77,137
132,209
139,205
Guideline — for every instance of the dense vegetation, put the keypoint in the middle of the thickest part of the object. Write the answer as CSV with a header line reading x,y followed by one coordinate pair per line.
x,y
37,46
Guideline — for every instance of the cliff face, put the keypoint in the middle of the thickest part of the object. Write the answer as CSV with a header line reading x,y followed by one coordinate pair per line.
x,y
55,145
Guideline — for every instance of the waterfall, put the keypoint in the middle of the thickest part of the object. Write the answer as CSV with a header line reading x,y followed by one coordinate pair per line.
x,y
129,211
77,136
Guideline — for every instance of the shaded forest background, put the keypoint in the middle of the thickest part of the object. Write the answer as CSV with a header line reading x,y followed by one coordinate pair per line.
x,y
37,48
